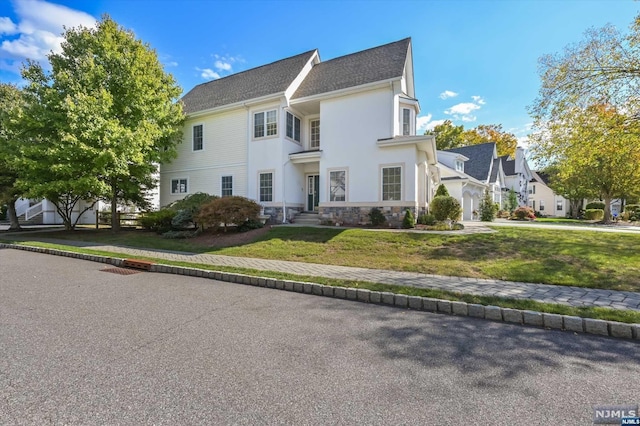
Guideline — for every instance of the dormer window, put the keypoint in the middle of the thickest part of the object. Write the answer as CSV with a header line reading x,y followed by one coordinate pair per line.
x,y
460,166
406,121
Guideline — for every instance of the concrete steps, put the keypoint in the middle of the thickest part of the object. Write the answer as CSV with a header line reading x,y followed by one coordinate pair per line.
x,y
307,218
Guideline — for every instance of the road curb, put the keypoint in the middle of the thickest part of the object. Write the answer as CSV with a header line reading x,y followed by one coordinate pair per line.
x,y
427,304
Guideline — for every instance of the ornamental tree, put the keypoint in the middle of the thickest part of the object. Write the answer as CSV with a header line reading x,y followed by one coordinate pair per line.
x,y
100,121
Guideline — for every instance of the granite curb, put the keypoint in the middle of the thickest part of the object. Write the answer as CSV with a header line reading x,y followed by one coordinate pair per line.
x,y
427,304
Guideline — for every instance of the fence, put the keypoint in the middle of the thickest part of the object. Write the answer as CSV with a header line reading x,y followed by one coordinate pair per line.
x,y
127,220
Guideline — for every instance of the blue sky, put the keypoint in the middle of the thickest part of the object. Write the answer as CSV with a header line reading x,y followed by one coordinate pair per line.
x,y
475,61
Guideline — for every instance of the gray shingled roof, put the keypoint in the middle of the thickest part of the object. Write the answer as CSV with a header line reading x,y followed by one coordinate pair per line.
x,y
254,83
480,159
508,165
368,66
494,170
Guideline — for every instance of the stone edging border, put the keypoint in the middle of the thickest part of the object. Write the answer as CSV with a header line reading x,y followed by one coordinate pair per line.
x,y
428,304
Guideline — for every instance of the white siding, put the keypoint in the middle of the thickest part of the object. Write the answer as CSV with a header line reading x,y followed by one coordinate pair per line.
x,y
224,153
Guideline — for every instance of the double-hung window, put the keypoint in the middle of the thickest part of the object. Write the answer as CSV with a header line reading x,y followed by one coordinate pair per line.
x,y
266,187
391,183
226,186
337,185
178,186
314,139
198,137
293,127
406,121
265,124
559,205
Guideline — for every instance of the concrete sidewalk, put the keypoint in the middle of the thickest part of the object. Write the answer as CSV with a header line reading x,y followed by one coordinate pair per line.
x,y
574,296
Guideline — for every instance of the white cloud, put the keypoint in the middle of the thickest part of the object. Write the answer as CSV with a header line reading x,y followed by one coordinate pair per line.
x,y
208,73
39,29
448,94
172,64
462,108
425,123
478,100
222,66
7,26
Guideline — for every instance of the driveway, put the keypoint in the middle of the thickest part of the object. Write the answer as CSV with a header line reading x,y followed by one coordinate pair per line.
x,y
82,346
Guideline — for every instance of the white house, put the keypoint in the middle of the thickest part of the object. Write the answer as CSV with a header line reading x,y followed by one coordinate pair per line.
x,y
544,200
517,175
334,137
467,172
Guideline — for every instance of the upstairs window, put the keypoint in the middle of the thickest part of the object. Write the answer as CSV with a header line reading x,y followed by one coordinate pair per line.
x,y
391,183
198,138
293,127
406,121
227,186
314,137
265,124
460,166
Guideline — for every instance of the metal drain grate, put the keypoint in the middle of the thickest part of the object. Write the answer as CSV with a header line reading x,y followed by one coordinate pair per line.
x,y
121,271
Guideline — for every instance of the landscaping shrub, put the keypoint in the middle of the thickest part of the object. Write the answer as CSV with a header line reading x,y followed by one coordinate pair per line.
x,y
408,222
523,213
427,219
442,191
444,208
175,235
376,217
487,208
512,202
594,214
599,205
227,211
632,212
182,220
190,206
250,225
158,221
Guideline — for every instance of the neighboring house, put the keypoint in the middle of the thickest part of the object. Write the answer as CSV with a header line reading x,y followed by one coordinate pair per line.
x,y
517,175
43,212
301,135
542,198
467,172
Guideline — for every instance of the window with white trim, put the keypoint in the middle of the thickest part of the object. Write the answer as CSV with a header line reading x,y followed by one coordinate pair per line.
x,y
314,137
198,137
266,187
391,183
559,205
265,123
293,127
338,185
541,205
179,186
460,166
406,121
226,186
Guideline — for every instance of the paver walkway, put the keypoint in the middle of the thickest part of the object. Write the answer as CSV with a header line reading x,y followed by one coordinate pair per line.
x,y
574,296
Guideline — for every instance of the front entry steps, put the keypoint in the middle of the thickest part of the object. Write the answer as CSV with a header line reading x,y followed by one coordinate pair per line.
x,y
307,218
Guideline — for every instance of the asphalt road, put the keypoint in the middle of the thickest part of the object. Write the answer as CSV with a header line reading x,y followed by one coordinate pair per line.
x,y
82,346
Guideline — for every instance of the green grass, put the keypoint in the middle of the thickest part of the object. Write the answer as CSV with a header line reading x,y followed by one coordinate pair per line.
x,y
562,220
608,314
575,258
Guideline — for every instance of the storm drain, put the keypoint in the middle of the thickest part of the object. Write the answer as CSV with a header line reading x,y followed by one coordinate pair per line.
x,y
121,271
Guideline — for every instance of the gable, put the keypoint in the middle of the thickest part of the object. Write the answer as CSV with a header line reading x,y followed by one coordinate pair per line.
x,y
368,66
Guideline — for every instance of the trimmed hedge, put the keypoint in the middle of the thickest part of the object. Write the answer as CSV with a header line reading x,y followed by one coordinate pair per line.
x,y
594,214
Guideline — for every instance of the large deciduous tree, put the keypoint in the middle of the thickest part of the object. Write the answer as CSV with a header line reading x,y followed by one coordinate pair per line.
x,y
450,136
11,105
101,119
587,114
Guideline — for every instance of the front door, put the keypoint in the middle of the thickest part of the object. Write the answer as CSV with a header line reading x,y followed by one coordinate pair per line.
x,y
313,192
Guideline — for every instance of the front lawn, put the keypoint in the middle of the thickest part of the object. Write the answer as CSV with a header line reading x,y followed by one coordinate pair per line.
x,y
577,258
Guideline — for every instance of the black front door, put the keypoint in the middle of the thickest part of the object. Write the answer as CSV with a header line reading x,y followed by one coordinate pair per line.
x,y
313,192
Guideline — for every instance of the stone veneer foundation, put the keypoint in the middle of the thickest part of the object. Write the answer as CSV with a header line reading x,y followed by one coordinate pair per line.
x,y
359,216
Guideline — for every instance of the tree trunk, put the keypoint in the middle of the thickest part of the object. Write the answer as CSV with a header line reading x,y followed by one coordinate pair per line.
x,y
574,206
14,224
115,217
607,209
